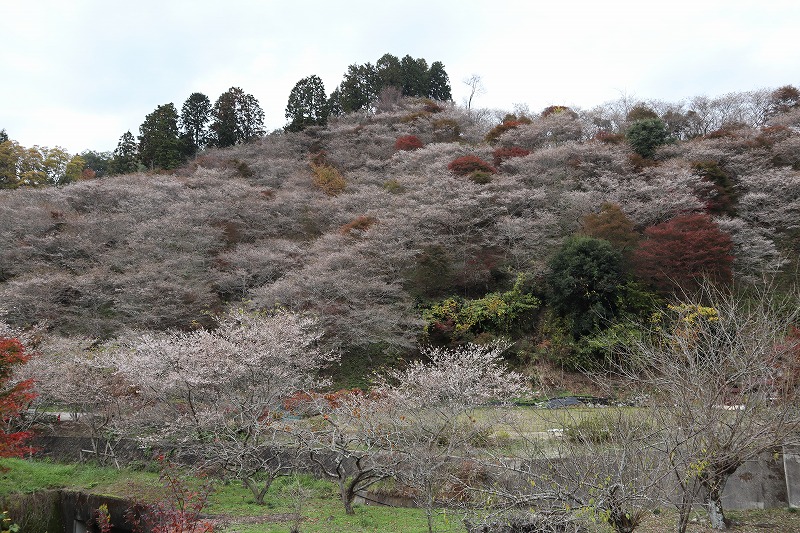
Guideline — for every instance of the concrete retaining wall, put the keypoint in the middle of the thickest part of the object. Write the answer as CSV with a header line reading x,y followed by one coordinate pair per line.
x,y
758,484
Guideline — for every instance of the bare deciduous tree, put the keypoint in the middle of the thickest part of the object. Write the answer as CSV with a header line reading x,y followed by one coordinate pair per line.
x,y
720,372
476,87
602,465
346,440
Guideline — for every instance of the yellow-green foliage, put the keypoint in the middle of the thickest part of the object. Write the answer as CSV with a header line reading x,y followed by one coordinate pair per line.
x,y
329,179
393,186
496,312
7,525
691,313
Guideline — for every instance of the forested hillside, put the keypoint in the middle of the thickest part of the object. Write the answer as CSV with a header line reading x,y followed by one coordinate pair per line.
x,y
412,221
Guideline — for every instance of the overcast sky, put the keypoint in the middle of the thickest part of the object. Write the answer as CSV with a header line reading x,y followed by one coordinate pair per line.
x,y
80,73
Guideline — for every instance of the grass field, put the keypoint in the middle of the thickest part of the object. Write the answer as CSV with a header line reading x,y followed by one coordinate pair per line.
x,y
232,509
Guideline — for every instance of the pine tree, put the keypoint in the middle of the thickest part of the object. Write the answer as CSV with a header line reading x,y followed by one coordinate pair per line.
x,y
237,118
126,156
438,82
307,104
415,76
359,88
159,143
195,116
389,72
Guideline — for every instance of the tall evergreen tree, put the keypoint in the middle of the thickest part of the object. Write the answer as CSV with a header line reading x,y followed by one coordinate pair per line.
x,y
237,118
159,143
126,155
195,116
415,76
335,103
389,72
3,136
438,82
307,104
359,87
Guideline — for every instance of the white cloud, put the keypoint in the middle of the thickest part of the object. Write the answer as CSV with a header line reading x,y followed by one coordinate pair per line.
x,y
89,70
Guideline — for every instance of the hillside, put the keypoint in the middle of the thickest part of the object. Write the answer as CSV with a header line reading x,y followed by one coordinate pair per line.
x,y
390,247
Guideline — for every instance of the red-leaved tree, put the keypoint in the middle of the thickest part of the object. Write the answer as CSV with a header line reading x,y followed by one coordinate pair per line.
x,y
14,398
408,143
179,510
682,251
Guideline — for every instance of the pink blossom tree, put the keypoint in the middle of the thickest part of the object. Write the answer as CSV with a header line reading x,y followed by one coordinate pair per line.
x,y
217,395
429,413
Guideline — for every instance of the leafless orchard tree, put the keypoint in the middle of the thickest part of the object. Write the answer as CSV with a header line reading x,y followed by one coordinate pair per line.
x,y
602,465
721,372
345,439
476,87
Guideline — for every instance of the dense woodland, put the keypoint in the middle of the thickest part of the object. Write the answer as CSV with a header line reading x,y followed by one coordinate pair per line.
x,y
406,220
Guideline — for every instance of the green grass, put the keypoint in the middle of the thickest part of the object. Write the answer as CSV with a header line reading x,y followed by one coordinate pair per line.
x,y
24,476
231,505
234,510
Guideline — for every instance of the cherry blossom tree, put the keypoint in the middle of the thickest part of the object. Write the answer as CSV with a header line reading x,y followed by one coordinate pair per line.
x,y
346,440
73,376
430,412
217,395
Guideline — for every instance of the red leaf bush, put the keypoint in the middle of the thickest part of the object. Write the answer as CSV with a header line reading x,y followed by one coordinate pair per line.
x,y
502,154
467,164
408,143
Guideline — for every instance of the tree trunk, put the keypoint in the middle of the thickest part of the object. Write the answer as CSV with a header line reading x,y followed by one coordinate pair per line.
x,y
347,493
259,491
429,509
684,509
715,512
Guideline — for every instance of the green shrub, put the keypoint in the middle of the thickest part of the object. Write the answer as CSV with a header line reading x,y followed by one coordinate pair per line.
x,y
458,319
646,135
592,430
